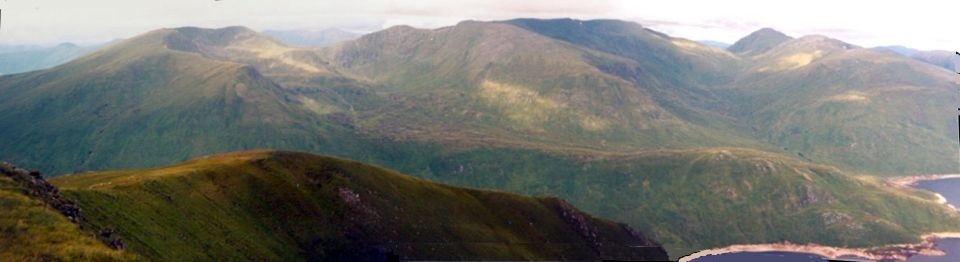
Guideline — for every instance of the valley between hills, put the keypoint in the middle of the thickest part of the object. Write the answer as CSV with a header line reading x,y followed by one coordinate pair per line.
x,y
774,138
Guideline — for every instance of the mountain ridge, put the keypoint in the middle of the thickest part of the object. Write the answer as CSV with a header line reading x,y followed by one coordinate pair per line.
x,y
361,212
555,107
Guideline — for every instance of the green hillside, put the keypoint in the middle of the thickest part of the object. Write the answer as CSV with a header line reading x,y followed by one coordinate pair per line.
x,y
701,198
548,85
499,82
831,102
759,42
608,114
32,231
268,205
139,103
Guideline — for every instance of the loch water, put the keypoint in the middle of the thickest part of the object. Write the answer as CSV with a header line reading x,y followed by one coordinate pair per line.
x,y
949,189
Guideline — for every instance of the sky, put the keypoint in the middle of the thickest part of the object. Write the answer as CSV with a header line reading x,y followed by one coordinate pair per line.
x,y
922,24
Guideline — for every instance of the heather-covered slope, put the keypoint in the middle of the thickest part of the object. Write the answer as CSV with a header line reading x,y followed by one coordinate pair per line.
x,y
266,205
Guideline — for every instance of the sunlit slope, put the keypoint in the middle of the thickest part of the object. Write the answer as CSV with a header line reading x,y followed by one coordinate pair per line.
x,y
830,102
695,199
141,103
266,205
32,231
549,85
676,73
503,84
556,107
658,60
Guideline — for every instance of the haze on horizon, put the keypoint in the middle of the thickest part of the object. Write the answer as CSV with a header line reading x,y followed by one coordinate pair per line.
x,y
921,24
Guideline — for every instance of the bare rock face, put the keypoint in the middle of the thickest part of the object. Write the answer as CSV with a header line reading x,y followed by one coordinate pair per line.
x,y
812,195
111,239
34,185
576,221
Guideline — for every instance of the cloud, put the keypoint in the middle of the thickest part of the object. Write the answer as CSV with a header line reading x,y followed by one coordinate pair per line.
x,y
501,8
920,23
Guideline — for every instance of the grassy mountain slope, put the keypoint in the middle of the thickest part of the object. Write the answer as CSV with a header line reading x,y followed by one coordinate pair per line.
x,y
502,82
663,61
142,102
32,231
759,42
304,75
561,107
701,198
676,73
281,205
537,84
831,102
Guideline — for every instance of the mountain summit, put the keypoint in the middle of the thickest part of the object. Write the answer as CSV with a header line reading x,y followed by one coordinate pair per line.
x,y
759,42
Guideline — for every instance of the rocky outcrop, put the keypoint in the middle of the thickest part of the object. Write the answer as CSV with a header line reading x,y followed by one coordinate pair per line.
x,y
811,195
34,185
579,224
111,239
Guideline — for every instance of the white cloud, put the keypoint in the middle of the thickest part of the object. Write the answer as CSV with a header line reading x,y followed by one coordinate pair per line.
x,y
918,23
922,24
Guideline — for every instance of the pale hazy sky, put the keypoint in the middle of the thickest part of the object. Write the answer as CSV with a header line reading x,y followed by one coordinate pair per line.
x,y
924,24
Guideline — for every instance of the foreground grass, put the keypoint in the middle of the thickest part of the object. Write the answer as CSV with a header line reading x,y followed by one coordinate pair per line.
x,y
265,205
31,231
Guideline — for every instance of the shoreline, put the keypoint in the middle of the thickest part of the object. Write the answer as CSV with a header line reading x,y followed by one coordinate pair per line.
x,y
912,181
899,252
943,200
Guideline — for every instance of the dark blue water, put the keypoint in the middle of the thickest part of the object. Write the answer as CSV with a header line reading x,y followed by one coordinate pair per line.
x,y
949,245
950,189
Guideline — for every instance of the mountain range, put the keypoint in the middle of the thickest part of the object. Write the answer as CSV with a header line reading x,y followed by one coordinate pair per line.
x,y
774,138
19,59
